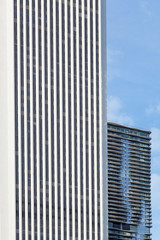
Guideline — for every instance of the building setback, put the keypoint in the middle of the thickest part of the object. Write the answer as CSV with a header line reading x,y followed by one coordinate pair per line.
x,y
53,120
129,183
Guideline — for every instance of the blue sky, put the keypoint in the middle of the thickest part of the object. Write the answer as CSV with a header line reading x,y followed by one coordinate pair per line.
x,y
133,61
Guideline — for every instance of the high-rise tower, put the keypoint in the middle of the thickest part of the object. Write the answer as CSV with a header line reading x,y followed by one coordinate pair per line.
x,y
129,183
53,120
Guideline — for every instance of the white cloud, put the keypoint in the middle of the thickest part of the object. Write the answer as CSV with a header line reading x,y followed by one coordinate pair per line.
x,y
115,112
155,140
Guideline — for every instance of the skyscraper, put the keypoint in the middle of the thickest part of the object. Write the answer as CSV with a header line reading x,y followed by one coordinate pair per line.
x,y
129,183
53,120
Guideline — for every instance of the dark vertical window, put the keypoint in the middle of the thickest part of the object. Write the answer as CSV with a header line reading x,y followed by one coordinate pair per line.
x,y
69,115
33,55
52,115
64,114
81,114
92,114
98,112
28,119
75,116
58,116
46,12
40,116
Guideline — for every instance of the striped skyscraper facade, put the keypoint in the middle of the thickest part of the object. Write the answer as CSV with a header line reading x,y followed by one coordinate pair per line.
x,y
53,129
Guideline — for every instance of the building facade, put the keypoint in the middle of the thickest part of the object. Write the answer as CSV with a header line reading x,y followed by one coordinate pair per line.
x,y
129,183
53,124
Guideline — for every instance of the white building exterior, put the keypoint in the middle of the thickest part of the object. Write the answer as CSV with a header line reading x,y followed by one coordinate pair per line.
x,y
53,169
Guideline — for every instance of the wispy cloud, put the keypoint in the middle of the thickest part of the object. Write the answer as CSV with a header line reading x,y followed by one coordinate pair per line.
x,y
114,57
155,140
146,7
153,109
116,112
155,182
155,191
155,163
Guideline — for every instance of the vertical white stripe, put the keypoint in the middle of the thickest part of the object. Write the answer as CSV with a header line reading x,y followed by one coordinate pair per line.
x,y
49,121
37,119
95,119
8,229
55,121
19,119
78,124
67,130
72,122
25,122
31,120
84,125
61,118
100,127
43,120
89,124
